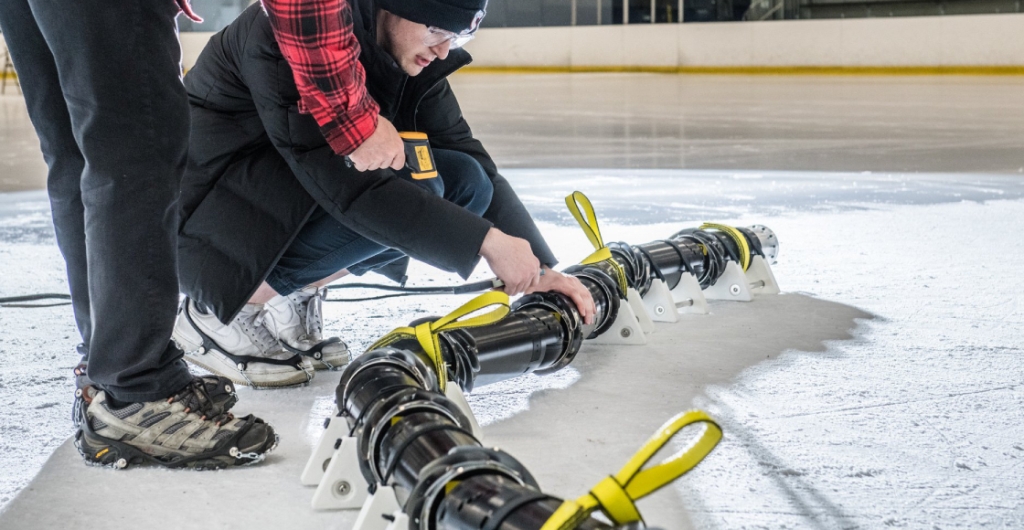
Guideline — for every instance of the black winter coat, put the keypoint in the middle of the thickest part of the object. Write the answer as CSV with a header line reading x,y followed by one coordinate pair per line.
x,y
257,168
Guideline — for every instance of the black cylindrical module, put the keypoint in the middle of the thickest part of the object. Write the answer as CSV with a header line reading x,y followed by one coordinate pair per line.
x,y
671,258
495,502
420,438
526,340
369,386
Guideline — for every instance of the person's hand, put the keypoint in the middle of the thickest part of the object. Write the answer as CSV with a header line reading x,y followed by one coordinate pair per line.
x,y
384,148
569,286
512,261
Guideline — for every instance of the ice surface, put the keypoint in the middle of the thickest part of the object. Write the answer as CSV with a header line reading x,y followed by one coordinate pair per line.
x,y
915,420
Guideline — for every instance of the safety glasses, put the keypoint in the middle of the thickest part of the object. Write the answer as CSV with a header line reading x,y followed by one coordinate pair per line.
x,y
437,37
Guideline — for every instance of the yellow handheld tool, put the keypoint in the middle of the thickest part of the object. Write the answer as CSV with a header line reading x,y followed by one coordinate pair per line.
x,y
418,156
419,159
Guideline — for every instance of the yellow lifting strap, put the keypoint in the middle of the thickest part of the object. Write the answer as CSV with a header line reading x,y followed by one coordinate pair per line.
x,y
738,237
576,202
426,333
616,495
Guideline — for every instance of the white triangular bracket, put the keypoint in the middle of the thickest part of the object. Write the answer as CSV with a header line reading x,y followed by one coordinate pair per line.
x,y
382,503
731,285
335,429
454,393
688,296
659,303
343,486
400,522
637,304
625,330
760,277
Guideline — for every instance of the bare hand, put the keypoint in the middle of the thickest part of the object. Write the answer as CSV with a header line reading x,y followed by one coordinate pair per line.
x,y
569,286
384,148
512,261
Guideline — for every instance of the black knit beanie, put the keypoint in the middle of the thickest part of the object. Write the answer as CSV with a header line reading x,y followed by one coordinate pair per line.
x,y
456,16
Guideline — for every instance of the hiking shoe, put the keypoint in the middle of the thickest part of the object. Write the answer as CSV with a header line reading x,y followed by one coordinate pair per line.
x,y
168,432
213,394
243,351
297,321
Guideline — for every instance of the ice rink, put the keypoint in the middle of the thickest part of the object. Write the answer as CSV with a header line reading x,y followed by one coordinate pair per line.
x,y
883,388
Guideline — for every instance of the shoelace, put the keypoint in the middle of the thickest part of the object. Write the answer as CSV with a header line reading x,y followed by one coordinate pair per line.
x,y
196,398
258,332
308,307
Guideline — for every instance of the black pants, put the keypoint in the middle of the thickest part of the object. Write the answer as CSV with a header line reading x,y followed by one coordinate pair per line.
x,y
103,88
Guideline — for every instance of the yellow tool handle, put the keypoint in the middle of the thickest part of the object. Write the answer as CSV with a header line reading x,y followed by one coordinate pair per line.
x,y
419,158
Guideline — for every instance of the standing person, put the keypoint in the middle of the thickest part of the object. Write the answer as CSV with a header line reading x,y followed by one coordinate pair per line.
x,y
271,213
102,85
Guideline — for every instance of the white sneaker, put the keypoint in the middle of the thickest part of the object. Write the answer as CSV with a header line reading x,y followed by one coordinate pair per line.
x,y
244,351
297,321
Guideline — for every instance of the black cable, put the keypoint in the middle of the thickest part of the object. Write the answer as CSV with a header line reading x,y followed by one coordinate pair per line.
x,y
17,301
402,290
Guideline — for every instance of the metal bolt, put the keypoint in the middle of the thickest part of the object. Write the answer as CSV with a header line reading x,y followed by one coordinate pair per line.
x,y
342,488
626,332
659,310
685,303
734,289
202,350
121,463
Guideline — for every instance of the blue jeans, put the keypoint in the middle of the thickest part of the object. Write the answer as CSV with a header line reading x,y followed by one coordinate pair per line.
x,y
324,246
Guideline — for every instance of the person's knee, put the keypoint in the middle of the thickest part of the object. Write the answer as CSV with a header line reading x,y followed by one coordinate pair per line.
x,y
470,188
433,185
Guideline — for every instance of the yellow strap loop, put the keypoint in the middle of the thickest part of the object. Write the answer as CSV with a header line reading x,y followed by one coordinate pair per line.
x,y
738,237
426,333
579,205
616,496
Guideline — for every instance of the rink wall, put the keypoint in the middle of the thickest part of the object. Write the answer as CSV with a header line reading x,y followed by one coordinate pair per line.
x,y
953,44
970,43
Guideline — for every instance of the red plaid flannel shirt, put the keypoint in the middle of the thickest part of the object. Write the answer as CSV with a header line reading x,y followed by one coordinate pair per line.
x,y
316,39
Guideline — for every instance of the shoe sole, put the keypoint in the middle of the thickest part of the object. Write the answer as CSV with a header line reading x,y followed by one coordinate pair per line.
x,y
216,363
217,366
100,451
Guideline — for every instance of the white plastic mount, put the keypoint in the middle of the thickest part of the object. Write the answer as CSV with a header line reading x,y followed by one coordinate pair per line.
x,y
381,511
454,393
335,428
625,330
760,277
637,304
342,486
731,285
688,296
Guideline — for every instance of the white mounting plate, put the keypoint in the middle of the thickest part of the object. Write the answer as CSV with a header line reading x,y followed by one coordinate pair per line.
x,y
761,278
382,502
625,330
454,392
688,291
336,429
732,285
659,303
343,486
637,304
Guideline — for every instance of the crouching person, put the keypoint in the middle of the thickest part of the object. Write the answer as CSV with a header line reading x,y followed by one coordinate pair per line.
x,y
272,212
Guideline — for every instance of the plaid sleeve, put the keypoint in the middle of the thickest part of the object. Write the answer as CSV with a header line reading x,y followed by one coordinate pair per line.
x,y
316,39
